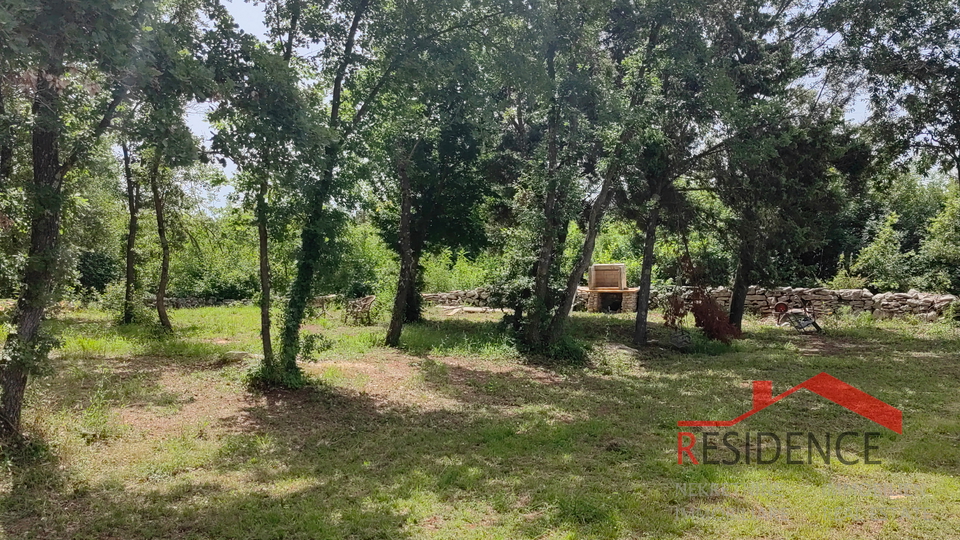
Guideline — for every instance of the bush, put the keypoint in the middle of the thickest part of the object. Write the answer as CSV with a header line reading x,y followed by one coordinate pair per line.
x,y
97,270
845,280
568,352
446,271
712,319
112,302
940,251
887,268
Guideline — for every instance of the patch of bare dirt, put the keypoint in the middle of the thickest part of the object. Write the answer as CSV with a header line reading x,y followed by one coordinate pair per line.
x,y
820,345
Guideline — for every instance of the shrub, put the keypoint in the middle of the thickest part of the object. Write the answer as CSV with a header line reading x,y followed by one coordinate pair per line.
x,y
940,251
845,280
96,270
712,319
112,302
887,268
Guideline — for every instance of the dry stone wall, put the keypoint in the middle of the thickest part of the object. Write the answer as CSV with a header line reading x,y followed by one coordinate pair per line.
x,y
472,297
760,300
480,297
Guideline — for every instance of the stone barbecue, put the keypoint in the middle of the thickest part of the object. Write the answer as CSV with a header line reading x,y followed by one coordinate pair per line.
x,y
607,290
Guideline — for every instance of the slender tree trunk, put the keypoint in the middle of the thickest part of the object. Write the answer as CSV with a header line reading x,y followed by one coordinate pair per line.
x,y
133,204
312,243
741,283
25,347
408,269
597,211
6,145
262,217
646,271
539,312
164,244
414,310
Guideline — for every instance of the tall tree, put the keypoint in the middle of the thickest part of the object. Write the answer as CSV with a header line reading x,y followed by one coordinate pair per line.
x,y
51,38
266,126
130,254
365,46
572,107
174,77
777,183
431,192
715,66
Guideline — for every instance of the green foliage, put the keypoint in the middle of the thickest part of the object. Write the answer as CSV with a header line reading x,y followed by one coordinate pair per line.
x,y
219,262
882,261
448,271
845,280
939,253
364,264
910,52
111,301
97,270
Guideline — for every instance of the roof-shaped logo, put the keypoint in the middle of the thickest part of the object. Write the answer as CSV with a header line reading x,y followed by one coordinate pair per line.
x,y
826,386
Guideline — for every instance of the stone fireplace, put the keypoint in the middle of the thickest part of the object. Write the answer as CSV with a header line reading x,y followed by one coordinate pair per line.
x,y
607,290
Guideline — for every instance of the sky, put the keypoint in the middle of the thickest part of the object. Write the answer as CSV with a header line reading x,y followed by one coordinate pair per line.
x,y
250,18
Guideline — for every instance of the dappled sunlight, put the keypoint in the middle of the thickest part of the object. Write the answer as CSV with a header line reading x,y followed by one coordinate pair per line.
x,y
455,436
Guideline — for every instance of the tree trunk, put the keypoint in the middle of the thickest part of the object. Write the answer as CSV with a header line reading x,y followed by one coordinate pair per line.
x,y
646,271
741,283
539,312
597,211
25,347
312,239
311,242
164,244
408,269
414,310
133,204
262,217
6,146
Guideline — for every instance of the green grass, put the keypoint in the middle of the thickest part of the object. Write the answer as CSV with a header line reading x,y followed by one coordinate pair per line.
x,y
143,435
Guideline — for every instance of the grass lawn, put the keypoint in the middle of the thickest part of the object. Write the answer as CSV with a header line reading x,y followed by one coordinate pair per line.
x,y
136,435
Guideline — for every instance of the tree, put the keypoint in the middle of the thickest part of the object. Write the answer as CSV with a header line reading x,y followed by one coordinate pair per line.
x,y
265,126
575,104
778,182
432,146
173,77
366,46
910,52
882,261
49,41
715,68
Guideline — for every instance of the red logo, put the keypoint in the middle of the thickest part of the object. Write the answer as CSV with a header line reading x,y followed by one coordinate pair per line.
x,y
825,386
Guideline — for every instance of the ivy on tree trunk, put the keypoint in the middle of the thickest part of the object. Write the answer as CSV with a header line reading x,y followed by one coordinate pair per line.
x,y
164,243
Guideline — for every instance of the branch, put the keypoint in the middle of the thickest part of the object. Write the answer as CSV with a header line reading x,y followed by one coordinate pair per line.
x,y
294,20
344,64
395,63
119,94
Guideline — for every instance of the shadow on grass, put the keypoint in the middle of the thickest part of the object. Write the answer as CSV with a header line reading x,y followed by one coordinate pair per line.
x,y
523,452
457,337
327,463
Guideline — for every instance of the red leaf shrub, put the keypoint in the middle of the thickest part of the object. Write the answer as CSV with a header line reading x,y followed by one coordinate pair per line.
x,y
674,310
711,318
